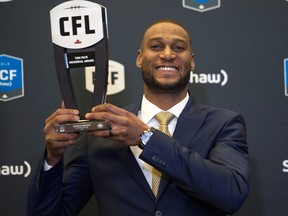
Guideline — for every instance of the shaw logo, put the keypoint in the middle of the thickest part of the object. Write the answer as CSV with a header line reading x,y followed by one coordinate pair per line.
x,y
11,78
220,78
25,170
286,76
285,166
201,5
116,78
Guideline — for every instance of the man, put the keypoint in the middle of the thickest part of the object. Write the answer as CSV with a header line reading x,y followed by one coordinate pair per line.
x,y
202,158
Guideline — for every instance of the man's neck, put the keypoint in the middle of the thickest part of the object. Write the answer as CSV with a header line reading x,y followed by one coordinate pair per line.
x,y
165,100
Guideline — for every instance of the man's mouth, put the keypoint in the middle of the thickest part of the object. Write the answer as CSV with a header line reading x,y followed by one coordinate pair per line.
x,y
167,68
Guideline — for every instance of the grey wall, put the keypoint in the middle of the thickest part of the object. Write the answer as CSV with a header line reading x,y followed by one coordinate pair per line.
x,y
246,39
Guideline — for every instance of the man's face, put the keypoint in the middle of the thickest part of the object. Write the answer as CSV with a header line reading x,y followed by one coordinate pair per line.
x,y
165,57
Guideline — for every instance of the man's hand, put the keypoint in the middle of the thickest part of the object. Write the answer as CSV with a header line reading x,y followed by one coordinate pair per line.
x,y
126,126
57,143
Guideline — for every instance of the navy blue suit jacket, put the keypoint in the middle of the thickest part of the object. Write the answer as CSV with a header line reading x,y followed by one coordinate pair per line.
x,y
204,165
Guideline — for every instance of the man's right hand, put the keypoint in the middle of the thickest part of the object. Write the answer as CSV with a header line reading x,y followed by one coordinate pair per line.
x,y
57,143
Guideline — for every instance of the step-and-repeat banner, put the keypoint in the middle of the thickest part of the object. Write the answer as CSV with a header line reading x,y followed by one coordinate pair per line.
x,y
241,54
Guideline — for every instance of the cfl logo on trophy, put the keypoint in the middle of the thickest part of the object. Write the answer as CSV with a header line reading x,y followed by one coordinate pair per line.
x,y
201,5
74,24
286,76
116,78
11,78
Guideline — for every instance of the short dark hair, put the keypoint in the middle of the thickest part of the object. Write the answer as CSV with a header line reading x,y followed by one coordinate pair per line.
x,y
168,20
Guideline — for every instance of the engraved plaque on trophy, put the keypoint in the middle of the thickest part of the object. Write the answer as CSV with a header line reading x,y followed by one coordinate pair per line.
x,y
79,32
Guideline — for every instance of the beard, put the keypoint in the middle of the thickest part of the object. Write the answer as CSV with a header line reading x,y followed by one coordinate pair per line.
x,y
152,83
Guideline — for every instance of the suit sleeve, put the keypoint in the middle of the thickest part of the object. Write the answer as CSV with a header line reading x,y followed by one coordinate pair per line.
x,y
60,191
44,192
218,177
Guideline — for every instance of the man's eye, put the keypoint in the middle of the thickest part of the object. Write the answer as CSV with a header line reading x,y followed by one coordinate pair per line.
x,y
178,48
156,47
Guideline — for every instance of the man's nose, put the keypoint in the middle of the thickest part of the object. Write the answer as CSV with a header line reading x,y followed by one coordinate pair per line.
x,y
167,53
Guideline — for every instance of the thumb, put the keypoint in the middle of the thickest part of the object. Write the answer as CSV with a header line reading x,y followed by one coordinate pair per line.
x,y
63,104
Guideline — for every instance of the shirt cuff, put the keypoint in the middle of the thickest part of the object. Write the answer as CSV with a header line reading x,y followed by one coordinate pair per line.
x,y
46,166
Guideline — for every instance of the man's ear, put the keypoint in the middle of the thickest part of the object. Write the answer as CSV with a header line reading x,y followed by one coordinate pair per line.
x,y
139,59
192,62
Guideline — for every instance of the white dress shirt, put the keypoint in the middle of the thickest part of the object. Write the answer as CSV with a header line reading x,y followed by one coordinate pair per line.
x,y
146,114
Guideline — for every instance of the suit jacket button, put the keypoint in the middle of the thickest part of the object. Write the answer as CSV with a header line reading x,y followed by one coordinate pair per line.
x,y
165,164
158,213
155,158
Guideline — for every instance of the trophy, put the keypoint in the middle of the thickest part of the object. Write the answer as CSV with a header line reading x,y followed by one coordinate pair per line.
x,y
80,39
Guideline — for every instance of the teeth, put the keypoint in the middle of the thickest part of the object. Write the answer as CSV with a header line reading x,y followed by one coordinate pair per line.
x,y
167,68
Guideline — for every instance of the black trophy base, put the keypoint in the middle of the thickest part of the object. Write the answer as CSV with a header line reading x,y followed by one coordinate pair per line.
x,y
82,125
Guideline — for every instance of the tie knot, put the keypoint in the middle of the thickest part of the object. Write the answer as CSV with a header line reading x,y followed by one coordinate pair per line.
x,y
164,117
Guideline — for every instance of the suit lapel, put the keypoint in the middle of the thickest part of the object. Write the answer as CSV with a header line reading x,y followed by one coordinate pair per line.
x,y
188,123
129,160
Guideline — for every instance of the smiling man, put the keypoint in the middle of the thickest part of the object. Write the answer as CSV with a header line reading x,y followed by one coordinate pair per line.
x,y
166,58
164,155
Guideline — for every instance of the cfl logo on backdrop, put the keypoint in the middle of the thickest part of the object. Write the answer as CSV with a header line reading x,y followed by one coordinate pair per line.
x,y
201,5
11,78
286,76
116,78
16,170
76,19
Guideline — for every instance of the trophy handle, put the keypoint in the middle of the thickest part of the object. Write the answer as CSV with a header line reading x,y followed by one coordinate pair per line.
x,y
100,78
64,78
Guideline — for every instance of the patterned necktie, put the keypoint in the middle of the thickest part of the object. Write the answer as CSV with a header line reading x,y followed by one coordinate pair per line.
x,y
163,118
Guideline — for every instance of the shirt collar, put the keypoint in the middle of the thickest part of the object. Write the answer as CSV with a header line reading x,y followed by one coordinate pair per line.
x,y
149,110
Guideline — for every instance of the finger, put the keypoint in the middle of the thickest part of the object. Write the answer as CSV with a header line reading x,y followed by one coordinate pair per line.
x,y
99,133
64,143
115,120
108,108
63,104
110,132
111,113
63,115
52,136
